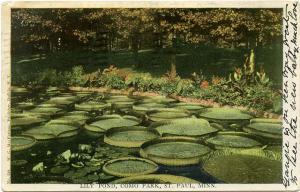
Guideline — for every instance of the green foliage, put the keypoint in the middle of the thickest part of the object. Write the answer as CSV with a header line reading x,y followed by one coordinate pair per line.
x,y
261,77
257,92
140,81
111,80
77,76
277,104
55,29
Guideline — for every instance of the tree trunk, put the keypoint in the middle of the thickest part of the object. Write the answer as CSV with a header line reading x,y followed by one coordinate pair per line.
x,y
173,72
50,46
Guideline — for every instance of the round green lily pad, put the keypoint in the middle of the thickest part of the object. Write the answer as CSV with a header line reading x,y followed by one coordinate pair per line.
x,y
19,90
184,127
274,148
129,166
19,143
167,115
52,131
45,111
158,99
188,106
81,113
70,120
155,179
123,104
129,136
224,114
27,121
268,130
106,122
232,140
119,98
174,151
236,167
83,93
91,106
25,105
64,100
145,107
265,120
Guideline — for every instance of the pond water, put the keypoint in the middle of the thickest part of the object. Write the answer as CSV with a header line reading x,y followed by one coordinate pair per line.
x,y
79,157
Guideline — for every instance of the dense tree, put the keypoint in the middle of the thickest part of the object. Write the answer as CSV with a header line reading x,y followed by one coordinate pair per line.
x,y
128,27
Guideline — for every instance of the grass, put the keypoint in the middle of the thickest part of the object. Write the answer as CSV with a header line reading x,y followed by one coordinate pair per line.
x,y
211,61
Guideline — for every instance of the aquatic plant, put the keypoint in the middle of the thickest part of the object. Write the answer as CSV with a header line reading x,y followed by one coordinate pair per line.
x,y
192,127
129,166
133,136
19,143
106,122
53,131
233,140
174,151
243,166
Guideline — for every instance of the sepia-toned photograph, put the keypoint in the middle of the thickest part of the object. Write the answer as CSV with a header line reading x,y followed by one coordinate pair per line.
x,y
146,95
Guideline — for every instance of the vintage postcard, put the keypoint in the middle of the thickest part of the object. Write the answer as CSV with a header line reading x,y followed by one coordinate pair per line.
x,y
150,95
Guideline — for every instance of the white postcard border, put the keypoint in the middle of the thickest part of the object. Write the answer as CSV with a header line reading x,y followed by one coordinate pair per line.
x,y
5,89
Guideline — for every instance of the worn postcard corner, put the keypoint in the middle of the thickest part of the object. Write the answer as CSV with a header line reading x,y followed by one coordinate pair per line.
x,y
150,96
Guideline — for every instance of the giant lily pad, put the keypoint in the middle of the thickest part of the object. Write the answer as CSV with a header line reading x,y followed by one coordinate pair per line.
x,y
123,104
228,117
129,166
70,119
119,98
155,179
26,121
224,114
25,105
62,101
239,167
19,143
129,136
106,122
188,106
48,105
52,131
19,90
174,151
158,99
184,127
45,111
145,107
92,106
274,148
268,130
120,101
167,115
232,140
264,120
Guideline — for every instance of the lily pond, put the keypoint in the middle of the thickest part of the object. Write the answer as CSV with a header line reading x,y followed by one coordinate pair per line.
x,y
63,136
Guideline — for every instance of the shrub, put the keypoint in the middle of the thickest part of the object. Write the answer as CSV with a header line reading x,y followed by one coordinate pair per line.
x,y
140,81
184,87
76,76
111,80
